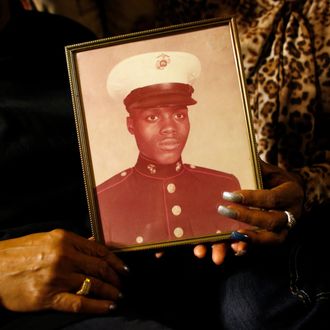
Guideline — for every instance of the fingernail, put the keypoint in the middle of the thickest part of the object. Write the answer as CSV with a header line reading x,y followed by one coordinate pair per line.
x,y
227,212
240,253
126,268
232,197
236,236
112,307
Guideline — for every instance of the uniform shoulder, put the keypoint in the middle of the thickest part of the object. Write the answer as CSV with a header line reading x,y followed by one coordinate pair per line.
x,y
114,180
211,172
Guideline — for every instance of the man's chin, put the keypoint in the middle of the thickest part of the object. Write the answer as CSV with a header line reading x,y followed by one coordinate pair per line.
x,y
162,157
168,159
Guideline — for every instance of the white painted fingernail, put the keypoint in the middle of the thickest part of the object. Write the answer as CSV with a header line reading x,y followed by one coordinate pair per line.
x,y
232,197
240,253
112,307
227,212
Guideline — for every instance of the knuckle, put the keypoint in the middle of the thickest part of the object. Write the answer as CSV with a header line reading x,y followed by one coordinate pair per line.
x,y
272,225
249,216
275,221
57,258
35,300
57,240
50,276
53,271
97,286
59,247
103,268
77,305
39,296
36,297
59,234
271,200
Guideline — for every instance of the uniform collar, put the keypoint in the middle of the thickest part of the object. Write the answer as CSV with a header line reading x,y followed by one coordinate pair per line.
x,y
150,168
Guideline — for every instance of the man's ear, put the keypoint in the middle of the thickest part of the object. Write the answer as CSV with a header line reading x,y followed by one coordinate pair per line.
x,y
130,124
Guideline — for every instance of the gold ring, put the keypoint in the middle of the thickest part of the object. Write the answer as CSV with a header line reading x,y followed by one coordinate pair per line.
x,y
85,287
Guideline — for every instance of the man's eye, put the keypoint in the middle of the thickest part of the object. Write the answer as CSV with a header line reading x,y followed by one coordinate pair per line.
x,y
152,118
179,116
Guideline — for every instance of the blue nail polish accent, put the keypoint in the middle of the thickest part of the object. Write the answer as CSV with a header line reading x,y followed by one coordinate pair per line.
x,y
236,236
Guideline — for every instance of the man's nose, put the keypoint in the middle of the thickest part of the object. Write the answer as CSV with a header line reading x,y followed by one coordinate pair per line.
x,y
168,126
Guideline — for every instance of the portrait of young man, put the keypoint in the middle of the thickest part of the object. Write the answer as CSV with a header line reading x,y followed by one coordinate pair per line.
x,y
161,198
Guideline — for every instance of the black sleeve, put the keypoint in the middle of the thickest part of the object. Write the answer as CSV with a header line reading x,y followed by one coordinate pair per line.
x,y
40,171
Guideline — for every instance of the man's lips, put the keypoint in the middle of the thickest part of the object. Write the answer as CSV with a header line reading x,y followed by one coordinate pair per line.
x,y
169,144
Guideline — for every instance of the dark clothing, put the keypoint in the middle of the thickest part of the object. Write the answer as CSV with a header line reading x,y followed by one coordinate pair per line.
x,y
41,186
40,173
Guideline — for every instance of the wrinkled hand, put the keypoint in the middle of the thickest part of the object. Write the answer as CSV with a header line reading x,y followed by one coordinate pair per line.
x,y
262,208
43,271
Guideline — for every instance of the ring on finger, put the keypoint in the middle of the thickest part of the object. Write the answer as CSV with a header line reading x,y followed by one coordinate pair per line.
x,y
85,287
291,219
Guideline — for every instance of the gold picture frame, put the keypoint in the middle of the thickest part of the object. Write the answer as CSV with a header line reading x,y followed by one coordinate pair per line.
x,y
136,202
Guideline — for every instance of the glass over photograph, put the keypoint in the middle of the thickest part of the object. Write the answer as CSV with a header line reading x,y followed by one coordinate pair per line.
x,y
165,130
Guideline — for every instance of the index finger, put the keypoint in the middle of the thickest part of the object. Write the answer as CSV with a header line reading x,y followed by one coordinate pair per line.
x,y
94,249
278,198
266,237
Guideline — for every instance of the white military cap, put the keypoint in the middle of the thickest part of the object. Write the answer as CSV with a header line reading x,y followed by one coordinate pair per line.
x,y
154,79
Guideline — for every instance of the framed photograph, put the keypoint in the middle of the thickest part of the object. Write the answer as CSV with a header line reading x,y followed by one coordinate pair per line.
x,y
164,128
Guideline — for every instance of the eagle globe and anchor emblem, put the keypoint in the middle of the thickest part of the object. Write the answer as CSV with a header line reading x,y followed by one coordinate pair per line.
x,y
162,61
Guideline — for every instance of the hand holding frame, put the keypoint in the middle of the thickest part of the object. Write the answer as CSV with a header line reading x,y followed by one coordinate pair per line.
x,y
45,270
264,208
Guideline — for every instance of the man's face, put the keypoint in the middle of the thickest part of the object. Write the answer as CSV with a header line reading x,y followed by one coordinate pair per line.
x,y
160,133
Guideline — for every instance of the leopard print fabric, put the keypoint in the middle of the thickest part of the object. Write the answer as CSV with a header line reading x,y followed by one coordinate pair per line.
x,y
286,55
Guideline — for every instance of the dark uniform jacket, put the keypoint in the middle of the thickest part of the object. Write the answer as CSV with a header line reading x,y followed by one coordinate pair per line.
x,y
153,203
